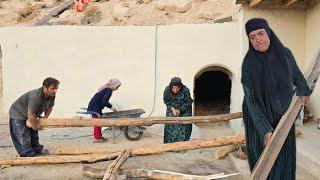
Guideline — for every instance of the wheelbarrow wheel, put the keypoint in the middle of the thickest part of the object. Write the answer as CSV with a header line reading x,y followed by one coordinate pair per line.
x,y
133,133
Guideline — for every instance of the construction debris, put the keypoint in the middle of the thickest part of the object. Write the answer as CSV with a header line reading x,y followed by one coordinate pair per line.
x,y
156,149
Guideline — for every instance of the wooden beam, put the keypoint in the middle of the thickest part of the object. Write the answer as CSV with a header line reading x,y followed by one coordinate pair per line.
x,y
109,169
89,122
224,151
87,158
271,151
167,175
156,149
253,3
63,150
154,174
289,2
54,13
113,168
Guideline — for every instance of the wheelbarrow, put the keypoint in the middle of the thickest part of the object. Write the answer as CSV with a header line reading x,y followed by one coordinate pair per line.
x,y
132,133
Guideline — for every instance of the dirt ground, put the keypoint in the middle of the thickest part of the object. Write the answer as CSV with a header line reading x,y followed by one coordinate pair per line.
x,y
119,12
197,162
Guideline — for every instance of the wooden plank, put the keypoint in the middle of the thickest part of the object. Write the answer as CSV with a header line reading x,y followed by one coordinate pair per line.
x,y
253,3
289,2
224,151
89,122
271,151
112,171
63,150
54,13
87,158
109,169
140,151
154,174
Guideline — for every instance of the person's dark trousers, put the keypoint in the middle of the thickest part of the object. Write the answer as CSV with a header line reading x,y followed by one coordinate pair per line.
x,y
25,140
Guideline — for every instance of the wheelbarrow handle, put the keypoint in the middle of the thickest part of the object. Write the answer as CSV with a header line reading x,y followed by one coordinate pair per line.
x,y
90,112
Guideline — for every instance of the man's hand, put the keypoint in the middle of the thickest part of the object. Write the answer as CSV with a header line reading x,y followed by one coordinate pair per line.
x,y
304,99
267,138
33,123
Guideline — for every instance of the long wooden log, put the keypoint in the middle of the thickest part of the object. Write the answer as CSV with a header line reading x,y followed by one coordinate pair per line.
x,y
63,150
87,158
271,151
289,2
166,175
111,166
156,149
113,170
154,174
54,13
224,151
253,3
89,122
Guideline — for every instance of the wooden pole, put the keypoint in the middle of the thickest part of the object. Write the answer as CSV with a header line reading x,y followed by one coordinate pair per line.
x,y
154,174
166,175
89,122
109,169
62,150
113,168
271,151
156,149
224,151
253,3
87,158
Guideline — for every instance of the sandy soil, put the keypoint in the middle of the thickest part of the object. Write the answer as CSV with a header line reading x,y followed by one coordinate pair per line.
x,y
198,162
116,12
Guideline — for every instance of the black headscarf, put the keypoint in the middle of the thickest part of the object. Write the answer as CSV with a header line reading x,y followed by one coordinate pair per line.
x,y
268,74
175,81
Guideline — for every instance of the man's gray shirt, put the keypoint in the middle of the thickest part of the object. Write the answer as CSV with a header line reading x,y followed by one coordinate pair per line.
x,y
33,101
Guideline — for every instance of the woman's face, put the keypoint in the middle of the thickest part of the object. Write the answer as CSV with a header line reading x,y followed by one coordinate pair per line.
x,y
115,88
259,40
175,89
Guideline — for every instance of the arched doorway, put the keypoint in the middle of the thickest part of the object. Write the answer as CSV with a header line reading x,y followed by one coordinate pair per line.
x,y
212,89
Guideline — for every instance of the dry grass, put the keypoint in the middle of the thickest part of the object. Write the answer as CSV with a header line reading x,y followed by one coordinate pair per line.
x,y
25,12
29,12
92,10
1,4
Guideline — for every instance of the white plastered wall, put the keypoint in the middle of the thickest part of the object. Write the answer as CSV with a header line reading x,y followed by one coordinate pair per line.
x,y
83,58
